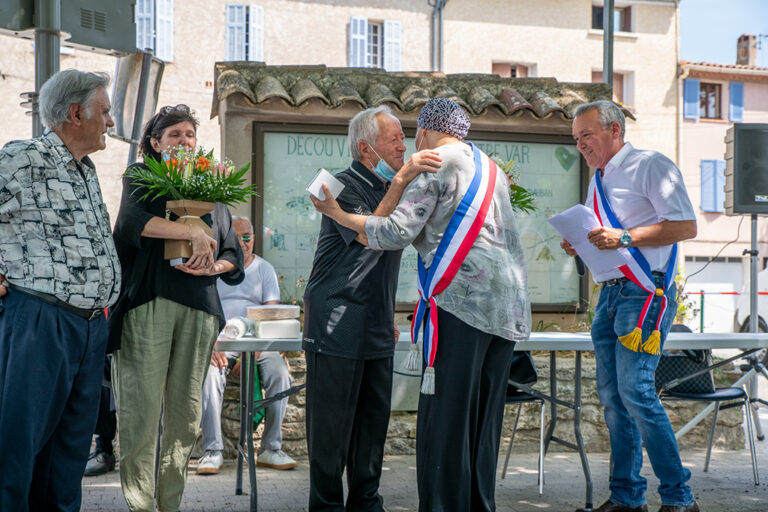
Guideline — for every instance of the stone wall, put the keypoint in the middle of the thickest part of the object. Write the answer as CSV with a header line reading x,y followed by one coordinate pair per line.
x,y
402,426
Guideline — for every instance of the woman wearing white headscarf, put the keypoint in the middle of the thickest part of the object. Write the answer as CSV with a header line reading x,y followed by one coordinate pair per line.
x,y
479,311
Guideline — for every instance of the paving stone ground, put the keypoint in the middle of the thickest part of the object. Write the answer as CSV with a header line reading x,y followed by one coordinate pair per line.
x,y
727,487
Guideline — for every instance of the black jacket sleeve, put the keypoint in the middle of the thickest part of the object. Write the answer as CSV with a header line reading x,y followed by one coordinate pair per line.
x,y
228,248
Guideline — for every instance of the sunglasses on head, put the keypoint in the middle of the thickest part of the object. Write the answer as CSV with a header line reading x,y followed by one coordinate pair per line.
x,y
246,237
176,108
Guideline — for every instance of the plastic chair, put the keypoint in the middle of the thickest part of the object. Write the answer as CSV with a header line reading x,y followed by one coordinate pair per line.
x,y
736,397
516,397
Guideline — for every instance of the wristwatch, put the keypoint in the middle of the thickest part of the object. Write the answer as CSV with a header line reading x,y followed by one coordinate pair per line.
x,y
626,238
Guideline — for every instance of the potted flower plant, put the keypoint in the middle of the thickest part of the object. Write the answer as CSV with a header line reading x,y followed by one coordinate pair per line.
x,y
193,181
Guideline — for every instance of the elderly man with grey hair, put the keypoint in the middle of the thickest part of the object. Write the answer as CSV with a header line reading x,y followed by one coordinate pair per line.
x,y
643,206
349,334
61,271
259,287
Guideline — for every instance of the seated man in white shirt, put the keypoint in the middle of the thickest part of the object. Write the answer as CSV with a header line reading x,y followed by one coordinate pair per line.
x,y
259,287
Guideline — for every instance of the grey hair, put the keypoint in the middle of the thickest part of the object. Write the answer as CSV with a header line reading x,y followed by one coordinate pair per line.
x,y
246,219
365,126
607,112
65,88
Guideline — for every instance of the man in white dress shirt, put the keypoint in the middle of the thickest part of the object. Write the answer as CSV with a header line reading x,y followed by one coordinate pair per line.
x,y
645,191
259,287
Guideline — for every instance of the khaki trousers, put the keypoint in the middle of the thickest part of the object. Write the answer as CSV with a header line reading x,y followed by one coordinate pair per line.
x,y
161,366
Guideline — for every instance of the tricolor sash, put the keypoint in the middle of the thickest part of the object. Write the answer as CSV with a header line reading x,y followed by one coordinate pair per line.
x,y
638,270
458,239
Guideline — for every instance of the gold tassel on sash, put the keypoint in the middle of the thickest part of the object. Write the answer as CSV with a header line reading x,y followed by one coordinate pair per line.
x,y
632,340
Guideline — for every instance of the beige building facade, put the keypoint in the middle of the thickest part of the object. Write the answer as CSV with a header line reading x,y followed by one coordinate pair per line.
x,y
546,38
715,97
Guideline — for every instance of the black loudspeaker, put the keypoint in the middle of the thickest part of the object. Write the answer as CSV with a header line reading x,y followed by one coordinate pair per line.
x,y
746,169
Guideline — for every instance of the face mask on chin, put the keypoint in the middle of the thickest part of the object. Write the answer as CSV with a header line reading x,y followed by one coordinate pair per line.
x,y
382,169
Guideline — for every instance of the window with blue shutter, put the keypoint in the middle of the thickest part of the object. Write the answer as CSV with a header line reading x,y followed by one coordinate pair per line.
x,y
713,185
244,33
736,109
690,98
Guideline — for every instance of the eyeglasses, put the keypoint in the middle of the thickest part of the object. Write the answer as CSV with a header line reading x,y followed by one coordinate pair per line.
x,y
246,237
177,108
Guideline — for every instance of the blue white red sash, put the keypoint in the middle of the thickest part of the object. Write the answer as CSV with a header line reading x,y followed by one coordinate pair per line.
x,y
458,239
638,270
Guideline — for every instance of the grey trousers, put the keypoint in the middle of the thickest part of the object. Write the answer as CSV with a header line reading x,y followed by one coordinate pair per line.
x,y
275,378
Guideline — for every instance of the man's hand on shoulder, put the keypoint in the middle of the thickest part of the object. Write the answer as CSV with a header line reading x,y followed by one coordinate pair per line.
x,y
423,161
3,287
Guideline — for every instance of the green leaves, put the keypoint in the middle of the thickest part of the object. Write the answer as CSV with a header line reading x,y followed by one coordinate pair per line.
x,y
521,199
192,174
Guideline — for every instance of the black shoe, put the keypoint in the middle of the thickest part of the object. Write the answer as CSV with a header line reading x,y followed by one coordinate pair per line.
x,y
610,506
99,463
694,507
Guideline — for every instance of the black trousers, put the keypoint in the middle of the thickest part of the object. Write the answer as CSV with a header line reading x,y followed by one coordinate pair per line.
x,y
459,427
347,415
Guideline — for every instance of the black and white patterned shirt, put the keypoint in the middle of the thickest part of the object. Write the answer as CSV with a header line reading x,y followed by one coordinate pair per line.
x,y
55,232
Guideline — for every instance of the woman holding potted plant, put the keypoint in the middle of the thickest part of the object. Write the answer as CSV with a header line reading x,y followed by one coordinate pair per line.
x,y
167,318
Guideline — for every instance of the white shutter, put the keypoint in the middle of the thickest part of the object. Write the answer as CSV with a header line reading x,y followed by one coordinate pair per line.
x,y
256,33
145,24
358,41
235,34
392,46
164,30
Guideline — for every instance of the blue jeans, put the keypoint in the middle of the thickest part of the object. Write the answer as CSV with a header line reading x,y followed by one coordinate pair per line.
x,y
633,412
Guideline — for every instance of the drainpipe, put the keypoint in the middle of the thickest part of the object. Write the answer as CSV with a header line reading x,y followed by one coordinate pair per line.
x,y
437,33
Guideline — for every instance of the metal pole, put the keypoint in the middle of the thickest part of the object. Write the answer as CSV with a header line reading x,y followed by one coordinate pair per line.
x,y
753,312
701,312
141,100
608,43
47,49
440,53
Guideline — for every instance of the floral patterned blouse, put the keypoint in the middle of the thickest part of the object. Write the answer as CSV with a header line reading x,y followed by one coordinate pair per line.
x,y
489,292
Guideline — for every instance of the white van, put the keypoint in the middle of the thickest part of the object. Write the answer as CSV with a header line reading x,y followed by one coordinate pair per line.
x,y
741,318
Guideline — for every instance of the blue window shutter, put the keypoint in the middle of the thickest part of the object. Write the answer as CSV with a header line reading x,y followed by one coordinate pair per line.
x,y
164,30
691,99
235,32
256,33
719,185
736,110
708,185
145,25
392,46
358,42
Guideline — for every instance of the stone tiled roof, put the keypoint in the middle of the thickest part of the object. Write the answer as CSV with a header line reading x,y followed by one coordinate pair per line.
x,y
405,91
740,72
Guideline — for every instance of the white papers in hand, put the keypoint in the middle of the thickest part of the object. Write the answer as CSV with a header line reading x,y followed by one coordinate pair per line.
x,y
574,224
324,177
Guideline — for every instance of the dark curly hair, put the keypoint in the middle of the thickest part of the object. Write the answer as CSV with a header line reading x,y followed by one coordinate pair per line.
x,y
166,117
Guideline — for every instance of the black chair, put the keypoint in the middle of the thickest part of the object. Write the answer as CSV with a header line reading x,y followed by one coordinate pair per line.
x,y
733,397
515,396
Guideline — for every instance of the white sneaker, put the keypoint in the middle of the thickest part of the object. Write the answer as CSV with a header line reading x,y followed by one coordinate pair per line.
x,y
276,460
210,463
